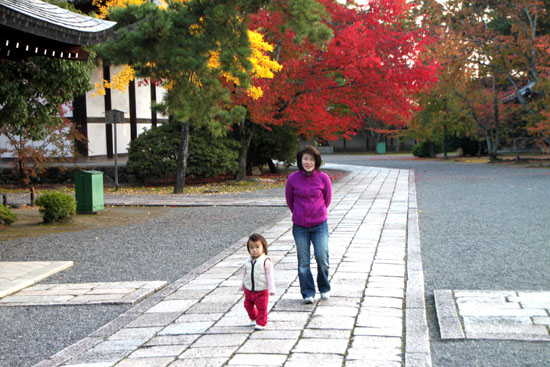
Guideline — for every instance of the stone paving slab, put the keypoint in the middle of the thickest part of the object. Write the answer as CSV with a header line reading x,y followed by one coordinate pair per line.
x,y
83,294
486,314
16,275
199,320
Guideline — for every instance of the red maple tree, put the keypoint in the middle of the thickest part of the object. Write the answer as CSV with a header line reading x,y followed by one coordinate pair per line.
x,y
372,67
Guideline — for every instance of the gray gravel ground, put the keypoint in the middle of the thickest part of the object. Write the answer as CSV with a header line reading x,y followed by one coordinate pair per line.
x,y
481,227
164,248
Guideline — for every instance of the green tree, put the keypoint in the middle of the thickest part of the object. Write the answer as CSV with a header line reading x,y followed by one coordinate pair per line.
x,y
175,44
32,92
508,46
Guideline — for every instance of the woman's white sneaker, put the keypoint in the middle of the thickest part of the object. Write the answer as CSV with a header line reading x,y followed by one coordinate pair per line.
x,y
308,300
325,295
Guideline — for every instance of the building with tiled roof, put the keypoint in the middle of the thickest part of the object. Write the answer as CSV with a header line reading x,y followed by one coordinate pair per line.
x,y
36,28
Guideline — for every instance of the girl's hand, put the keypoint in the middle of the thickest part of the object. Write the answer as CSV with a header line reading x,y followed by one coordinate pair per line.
x,y
271,294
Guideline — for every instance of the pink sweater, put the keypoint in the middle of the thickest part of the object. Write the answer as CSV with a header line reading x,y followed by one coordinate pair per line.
x,y
308,197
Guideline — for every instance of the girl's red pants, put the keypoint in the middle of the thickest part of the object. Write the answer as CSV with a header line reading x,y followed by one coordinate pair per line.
x,y
255,303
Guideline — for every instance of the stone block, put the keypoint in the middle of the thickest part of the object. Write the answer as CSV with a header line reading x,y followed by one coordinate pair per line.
x,y
258,360
145,362
171,306
180,328
330,346
268,346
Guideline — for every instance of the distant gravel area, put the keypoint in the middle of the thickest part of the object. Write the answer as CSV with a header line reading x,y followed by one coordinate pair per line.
x,y
482,226
163,248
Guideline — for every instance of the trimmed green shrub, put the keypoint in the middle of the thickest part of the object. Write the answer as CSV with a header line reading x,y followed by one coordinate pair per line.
x,y
153,155
280,143
211,155
422,150
6,215
55,205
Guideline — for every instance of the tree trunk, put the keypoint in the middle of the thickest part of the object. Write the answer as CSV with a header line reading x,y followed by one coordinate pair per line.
x,y
431,148
490,146
182,159
445,142
272,166
245,139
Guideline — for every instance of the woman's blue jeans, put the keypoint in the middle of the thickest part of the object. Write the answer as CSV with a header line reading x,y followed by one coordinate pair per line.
x,y
304,237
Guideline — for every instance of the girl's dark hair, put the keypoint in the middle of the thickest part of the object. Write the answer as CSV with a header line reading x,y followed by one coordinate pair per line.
x,y
310,149
254,237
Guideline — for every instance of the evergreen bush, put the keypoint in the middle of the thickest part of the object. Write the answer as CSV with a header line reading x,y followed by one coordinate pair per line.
x,y
279,143
7,217
55,205
422,149
469,146
153,155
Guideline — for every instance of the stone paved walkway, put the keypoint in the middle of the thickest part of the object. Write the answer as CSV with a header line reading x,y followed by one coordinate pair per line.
x,y
199,320
83,294
16,275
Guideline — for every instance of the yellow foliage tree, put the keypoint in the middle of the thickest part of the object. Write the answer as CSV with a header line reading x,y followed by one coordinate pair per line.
x,y
263,65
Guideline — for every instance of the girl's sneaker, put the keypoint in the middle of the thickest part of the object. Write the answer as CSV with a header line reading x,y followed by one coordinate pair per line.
x,y
259,327
252,322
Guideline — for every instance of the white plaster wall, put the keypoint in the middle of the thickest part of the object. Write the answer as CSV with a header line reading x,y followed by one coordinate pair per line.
x,y
95,105
143,100
96,140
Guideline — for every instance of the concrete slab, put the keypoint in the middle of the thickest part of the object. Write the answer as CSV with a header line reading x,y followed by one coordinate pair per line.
x,y
83,294
17,275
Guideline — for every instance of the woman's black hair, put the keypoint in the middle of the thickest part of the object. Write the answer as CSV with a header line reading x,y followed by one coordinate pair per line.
x,y
254,237
309,149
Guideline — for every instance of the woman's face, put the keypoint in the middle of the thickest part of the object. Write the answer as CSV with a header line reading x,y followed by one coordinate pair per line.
x,y
308,162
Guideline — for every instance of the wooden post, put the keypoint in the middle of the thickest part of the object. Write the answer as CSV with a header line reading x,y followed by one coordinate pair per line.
x,y
108,107
133,113
80,119
33,195
153,100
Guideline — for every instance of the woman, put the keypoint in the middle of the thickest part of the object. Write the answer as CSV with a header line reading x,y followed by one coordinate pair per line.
x,y
308,195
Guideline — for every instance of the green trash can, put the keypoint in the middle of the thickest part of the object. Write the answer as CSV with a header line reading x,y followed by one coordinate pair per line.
x,y
88,189
381,148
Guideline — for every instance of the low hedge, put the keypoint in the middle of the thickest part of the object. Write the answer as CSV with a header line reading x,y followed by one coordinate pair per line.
x,y
7,217
55,206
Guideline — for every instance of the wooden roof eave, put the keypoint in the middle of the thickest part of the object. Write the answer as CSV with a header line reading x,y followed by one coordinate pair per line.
x,y
49,21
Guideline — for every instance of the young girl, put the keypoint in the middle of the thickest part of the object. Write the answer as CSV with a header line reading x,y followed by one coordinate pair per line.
x,y
258,282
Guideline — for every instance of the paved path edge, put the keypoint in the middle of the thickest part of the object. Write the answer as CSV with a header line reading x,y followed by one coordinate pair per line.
x,y
417,339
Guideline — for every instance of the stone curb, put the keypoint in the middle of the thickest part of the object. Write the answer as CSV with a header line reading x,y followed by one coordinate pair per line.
x,y
417,340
